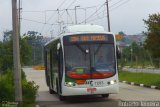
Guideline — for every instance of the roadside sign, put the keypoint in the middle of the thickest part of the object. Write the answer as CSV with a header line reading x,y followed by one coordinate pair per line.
x,y
118,36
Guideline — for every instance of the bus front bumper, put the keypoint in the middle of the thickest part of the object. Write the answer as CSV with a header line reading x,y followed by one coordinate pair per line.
x,y
110,89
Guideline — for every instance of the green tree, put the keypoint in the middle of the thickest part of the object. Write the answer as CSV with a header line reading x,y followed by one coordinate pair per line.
x,y
134,54
6,50
25,52
7,60
35,40
153,37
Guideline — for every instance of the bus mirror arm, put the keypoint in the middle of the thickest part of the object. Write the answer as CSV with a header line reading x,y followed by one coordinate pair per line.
x,y
118,55
118,52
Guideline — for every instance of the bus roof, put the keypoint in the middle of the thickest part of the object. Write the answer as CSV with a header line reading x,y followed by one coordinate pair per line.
x,y
84,28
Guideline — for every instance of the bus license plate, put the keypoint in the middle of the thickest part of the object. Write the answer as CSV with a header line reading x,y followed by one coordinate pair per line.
x,y
91,89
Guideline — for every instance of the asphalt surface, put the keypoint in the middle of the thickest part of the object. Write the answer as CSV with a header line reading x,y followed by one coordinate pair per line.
x,y
127,93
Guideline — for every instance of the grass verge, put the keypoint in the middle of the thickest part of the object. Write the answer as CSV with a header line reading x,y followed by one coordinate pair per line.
x,y
140,78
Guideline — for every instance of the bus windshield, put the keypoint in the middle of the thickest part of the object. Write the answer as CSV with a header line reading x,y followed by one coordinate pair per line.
x,y
86,61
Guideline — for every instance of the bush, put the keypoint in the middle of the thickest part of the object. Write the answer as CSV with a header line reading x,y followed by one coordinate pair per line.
x,y
29,90
6,87
7,93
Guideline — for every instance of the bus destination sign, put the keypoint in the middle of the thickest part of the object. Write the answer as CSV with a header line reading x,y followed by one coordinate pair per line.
x,y
88,38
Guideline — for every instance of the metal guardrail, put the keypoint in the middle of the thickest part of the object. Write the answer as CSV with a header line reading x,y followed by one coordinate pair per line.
x,y
145,70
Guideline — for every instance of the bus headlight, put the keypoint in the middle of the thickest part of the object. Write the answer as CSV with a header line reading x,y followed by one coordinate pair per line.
x,y
112,82
70,84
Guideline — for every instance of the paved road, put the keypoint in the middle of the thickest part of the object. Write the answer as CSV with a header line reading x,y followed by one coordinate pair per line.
x,y
127,93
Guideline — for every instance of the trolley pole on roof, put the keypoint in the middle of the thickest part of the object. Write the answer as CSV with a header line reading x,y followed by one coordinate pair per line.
x,y
108,18
16,53
76,14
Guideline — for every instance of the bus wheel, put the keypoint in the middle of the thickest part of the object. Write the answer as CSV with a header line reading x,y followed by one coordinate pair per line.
x,y
105,95
62,98
51,91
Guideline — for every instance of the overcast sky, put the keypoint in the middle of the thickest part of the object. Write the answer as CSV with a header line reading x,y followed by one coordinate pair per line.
x,y
125,15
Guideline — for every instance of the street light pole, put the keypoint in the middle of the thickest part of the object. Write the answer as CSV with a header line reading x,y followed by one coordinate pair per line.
x,y
16,53
76,14
108,18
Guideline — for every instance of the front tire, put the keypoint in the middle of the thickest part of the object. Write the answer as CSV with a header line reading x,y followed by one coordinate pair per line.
x,y
51,91
105,95
61,98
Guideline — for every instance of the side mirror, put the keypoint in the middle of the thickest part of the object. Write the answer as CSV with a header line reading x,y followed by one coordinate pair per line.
x,y
56,54
58,46
118,52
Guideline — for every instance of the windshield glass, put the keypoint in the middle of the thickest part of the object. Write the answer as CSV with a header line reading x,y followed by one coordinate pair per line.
x,y
76,57
89,60
103,58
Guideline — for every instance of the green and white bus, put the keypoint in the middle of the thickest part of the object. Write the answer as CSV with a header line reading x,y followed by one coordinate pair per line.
x,y
82,61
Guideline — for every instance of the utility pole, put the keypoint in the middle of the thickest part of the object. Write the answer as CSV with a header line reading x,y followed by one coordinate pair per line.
x,y
76,14
19,18
16,53
108,18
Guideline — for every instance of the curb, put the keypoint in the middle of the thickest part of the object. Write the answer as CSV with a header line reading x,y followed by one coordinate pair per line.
x,y
141,85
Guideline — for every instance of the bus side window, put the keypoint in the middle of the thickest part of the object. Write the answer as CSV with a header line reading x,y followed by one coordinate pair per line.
x,y
51,60
60,65
55,56
45,60
61,61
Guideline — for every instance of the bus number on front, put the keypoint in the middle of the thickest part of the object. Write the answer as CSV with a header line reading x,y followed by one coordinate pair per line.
x,y
99,83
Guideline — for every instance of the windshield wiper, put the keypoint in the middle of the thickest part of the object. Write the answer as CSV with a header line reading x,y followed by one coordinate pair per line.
x,y
81,48
100,45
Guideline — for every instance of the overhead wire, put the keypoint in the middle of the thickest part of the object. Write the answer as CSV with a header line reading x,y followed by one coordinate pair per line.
x,y
92,13
37,21
60,15
98,14
69,6
69,16
52,15
46,22
87,19
115,3
120,5
111,9
56,10
95,12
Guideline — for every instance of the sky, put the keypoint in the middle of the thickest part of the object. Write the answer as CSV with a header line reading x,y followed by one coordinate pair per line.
x,y
125,15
